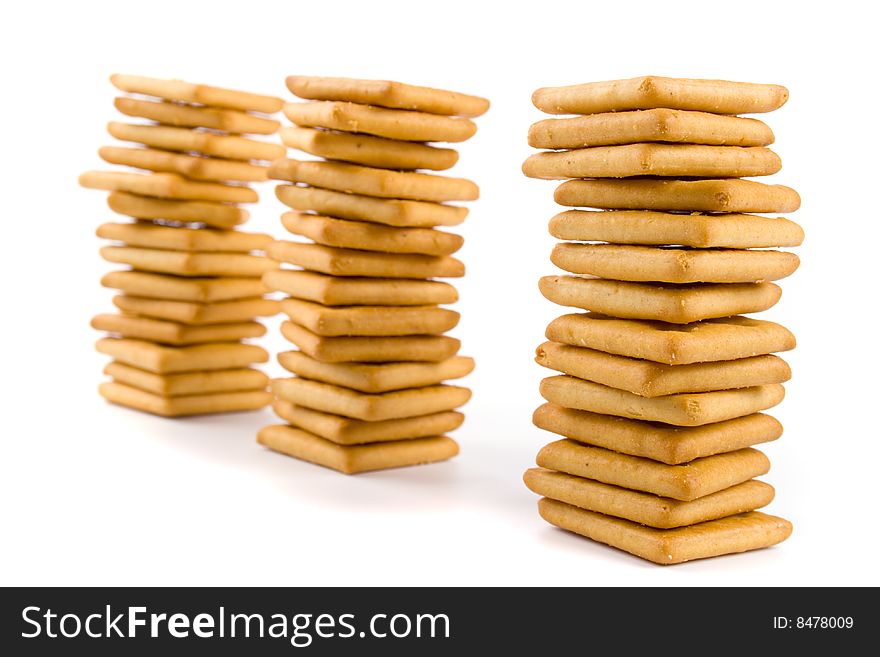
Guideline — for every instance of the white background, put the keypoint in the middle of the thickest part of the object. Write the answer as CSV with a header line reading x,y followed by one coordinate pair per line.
x,y
96,494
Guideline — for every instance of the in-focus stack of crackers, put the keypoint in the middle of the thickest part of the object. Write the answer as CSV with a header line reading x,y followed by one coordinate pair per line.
x,y
364,309
662,381
192,289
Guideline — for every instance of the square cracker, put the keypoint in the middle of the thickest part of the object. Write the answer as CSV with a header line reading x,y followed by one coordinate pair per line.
x,y
370,264
669,160
650,379
217,215
193,167
334,321
198,94
712,195
660,442
350,290
739,533
168,186
175,333
685,482
195,290
653,125
388,211
184,140
178,238
187,383
221,402
347,349
733,231
348,431
368,236
370,407
171,360
652,91
189,263
380,122
368,150
197,314
645,508
214,118
677,304
370,181
674,344
386,93
356,458
627,262
373,378
682,409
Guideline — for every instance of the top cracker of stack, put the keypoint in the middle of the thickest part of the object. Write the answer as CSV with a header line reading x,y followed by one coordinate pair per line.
x,y
194,286
368,389
662,381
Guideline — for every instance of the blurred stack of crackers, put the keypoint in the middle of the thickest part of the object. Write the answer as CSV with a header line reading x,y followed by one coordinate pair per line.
x,y
662,380
192,288
364,310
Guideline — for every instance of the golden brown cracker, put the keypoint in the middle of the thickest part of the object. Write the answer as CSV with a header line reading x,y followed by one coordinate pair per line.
x,y
368,236
369,181
627,262
653,125
368,150
380,122
651,91
739,533
678,304
218,215
187,383
386,93
686,482
176,238
391,212
348,431
713,195
351,290
175,333
186,140
177,288
431,348
189,312
670,160
369,320
661,442
175,114
728,338
375,378
356,458
681,409
189,263
221,402
167,186
351,262
735,231
171,360
370,407
649,379
646,508
198,94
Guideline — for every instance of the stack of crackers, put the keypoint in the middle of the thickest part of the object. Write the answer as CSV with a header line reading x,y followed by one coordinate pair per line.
x,y
662,382
192,289
364,311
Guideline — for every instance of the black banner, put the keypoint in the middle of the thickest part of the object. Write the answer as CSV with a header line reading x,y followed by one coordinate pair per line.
x,y
333,621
